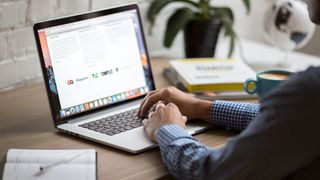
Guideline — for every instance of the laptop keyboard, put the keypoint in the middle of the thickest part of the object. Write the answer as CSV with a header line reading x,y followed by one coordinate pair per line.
x,y
115,124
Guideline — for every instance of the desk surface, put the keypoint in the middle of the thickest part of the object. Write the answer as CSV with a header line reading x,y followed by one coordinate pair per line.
x,y
25,122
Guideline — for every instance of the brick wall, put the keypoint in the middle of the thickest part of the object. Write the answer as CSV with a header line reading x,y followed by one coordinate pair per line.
x,y
19,62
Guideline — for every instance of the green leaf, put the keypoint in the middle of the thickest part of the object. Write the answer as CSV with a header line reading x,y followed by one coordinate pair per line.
x,y
222,12
247,5
177,22
157,5
155,8
231,46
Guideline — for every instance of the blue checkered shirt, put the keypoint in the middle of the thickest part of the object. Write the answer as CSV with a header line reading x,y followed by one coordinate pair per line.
x,y
182,152
281,141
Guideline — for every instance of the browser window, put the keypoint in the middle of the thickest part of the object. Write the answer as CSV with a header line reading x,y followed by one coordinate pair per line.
x,y
95,62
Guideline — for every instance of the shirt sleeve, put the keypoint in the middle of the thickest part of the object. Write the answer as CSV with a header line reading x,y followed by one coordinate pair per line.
x,y
233,115
283,138
182,154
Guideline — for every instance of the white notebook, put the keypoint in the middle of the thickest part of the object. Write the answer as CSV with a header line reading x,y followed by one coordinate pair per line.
x,y
50,164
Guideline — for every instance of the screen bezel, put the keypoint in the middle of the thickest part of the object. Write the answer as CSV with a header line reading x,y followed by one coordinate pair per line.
x,y
75,18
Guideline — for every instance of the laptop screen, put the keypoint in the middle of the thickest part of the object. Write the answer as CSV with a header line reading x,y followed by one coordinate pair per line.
x,y
96,62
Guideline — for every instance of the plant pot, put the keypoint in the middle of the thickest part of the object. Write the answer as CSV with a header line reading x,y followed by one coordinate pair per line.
x,y
200,38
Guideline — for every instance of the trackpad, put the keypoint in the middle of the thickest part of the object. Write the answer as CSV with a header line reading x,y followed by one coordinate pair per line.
x,y
197,126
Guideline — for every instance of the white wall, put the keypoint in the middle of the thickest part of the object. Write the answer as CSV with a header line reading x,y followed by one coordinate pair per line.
x,y
19,62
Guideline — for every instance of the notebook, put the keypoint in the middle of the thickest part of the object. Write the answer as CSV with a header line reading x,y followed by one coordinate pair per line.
x,y
50,164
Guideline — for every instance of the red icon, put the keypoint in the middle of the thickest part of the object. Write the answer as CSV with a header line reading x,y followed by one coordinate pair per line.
x,y
69,82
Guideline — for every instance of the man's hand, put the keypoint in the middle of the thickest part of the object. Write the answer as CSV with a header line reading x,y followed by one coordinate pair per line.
x,y
163,115
188,105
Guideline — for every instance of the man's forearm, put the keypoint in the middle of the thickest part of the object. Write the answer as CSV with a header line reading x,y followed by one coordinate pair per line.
x,y
202,109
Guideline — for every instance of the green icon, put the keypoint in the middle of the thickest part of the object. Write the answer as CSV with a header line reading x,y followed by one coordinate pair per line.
x,y
95,75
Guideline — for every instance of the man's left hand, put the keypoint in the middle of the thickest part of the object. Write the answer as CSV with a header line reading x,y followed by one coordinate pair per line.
x,y
163,115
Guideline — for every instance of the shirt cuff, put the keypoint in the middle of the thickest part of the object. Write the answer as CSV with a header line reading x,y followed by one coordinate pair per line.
x,y
168,133
234,115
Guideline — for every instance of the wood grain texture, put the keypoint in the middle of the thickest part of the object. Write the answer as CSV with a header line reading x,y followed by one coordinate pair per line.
x,y
25,122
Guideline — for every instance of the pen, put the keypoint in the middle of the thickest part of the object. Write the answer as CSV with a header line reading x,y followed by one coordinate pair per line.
x,y
65,160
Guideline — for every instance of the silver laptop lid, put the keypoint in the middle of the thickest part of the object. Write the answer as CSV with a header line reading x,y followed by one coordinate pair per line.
x,y
93,61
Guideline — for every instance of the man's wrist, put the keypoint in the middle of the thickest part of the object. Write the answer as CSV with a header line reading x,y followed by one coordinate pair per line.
x,y
202,109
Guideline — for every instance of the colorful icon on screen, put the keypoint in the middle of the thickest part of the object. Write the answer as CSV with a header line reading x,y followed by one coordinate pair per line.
x,y
114,99
96,104
123,96
142,91
109,100
81,107
100,102
67,112
86,106
131,93
77,108
105,101
118,97
62,113
70,82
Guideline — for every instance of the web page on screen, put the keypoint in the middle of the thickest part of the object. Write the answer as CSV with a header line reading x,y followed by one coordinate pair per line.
x,y
96,59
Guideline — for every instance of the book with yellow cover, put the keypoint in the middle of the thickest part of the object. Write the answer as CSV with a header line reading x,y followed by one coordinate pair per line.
x,y
210,74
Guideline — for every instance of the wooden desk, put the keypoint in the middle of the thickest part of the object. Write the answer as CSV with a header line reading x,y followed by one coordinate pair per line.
x,y
25,122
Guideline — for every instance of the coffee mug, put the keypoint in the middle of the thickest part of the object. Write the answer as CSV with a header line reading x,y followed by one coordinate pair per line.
x,y
266,81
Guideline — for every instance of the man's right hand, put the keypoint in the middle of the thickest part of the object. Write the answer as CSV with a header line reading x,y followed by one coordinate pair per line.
x,y
189,106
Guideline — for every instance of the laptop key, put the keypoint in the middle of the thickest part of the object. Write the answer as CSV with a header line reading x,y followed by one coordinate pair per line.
x,y
97,122
106,126
135,125
85,125
91,128
99,129
108,118
115,124
122,129
128,127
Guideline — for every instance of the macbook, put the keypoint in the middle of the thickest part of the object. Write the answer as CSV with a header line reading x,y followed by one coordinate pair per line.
x,y
97,70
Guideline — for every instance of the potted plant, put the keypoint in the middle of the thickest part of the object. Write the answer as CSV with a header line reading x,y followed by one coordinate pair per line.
x,y
201,23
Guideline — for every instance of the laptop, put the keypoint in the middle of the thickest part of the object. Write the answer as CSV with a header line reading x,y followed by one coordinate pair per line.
x,y
96,69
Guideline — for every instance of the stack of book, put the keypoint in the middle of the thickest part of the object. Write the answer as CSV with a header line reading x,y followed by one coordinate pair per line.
x,y
209,78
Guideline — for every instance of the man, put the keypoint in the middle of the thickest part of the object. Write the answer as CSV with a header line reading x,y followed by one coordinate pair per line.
x,y
280,138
